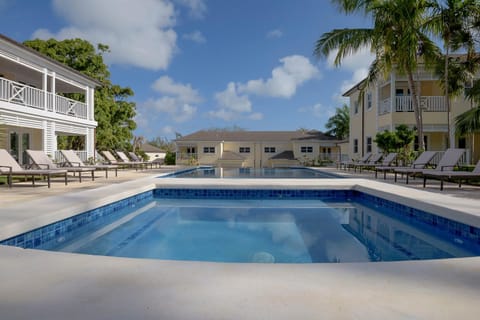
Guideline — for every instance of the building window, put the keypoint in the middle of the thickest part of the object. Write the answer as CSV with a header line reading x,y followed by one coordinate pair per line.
x,y
191,150
208,149
369,100
244,150
306,149
369,144
270,150
355,107
355,145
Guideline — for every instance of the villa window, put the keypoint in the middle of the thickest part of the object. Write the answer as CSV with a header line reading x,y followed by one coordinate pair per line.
x,y
270,149
244,150
355,107
208,149
369,144
306,149
355,145
369,100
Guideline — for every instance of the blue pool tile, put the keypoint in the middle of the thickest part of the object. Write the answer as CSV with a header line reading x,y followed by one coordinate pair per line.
x,y
36,238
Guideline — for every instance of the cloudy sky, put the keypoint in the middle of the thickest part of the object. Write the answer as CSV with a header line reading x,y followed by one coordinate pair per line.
x,y
202,64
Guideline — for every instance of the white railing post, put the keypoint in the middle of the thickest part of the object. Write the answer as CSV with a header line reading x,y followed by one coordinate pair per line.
x,y
54,89
45,89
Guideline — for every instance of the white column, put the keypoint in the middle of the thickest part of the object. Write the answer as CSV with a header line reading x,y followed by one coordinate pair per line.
x,y
45,89
90,143
54,90
91,103
393,96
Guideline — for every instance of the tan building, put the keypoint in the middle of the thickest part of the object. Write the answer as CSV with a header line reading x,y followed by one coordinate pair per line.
x,y
256,149
388,103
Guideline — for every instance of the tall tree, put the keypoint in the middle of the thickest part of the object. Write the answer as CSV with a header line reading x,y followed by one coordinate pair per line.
x,y
339,124
113,110
454,21
398,38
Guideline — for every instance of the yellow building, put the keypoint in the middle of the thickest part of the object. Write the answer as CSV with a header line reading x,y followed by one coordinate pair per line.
x,y
387,104
256,149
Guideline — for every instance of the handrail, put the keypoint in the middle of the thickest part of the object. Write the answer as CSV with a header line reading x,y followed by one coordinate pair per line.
x,y
22,94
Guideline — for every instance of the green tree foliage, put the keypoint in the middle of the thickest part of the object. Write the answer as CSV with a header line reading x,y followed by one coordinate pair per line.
x,y
399,141
456,22
339,124
398,36
163,143
113,110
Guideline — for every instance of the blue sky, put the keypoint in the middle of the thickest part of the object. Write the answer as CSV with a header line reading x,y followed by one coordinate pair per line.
x,y
202,64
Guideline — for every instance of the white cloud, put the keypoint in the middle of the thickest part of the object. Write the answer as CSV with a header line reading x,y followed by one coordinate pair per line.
x,y
357,65
183,92
274,34
198,9
318,111
285,79
195,36
177,100
138,35
172,106
167,131
360,59
233,106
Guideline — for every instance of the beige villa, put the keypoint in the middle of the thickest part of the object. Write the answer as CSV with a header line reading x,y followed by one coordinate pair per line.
x,y
256,149
388,103
33,108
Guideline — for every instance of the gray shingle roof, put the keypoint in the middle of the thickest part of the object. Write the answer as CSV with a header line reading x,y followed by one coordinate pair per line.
x,y
244,136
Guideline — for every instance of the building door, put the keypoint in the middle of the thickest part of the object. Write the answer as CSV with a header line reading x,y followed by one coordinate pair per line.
x,y
19,142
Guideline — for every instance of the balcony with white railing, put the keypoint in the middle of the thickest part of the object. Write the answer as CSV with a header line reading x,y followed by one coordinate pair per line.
x,y
404,104
28,96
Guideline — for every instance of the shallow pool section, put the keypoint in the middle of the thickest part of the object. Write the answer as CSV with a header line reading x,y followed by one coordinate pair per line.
x,y
252,173
261,226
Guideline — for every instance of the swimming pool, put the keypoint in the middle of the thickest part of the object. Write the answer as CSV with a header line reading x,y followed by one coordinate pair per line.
x,y
271,173
248,225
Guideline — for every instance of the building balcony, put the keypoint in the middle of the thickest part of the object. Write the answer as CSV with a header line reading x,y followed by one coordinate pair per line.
x,y
404,104
28,96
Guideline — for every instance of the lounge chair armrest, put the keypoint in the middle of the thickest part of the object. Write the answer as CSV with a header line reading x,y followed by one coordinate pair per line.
x,y
442,167
9,168
40,165
419,164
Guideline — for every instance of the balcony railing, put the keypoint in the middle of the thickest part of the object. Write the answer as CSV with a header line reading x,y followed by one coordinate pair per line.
x,y
404,104
31,97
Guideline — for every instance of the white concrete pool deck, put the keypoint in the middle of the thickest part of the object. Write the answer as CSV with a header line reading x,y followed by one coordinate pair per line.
x,y
39,285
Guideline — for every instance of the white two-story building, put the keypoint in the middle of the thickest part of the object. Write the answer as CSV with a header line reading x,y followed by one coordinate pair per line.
x,y
33,112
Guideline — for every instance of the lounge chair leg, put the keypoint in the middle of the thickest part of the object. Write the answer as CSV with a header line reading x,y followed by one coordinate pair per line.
x,y
376,173
9,180
80,177
33,180
48,179
407,179
66,179
385,175
424,181
93,175
116,172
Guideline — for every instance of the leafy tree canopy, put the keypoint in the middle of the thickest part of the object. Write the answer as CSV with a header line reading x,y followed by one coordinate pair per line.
x,y
113,110
339,124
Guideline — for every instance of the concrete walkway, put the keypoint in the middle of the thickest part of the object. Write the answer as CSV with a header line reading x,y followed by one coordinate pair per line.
x,y
52,285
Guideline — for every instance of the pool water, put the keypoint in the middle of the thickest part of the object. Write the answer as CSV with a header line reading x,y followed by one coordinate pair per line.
x,y
271,173
263,231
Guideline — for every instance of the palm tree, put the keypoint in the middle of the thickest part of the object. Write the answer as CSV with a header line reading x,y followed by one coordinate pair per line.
x,y
339,124
454,22
398,38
